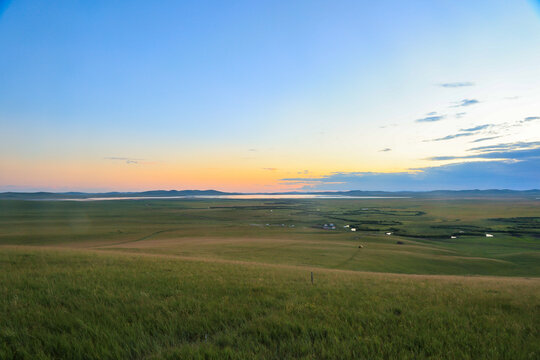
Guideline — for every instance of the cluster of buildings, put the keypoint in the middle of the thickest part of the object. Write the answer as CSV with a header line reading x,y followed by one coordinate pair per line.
x,y
330,226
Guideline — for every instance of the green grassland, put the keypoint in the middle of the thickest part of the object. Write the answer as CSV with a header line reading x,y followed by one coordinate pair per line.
x,y
231,279
289,232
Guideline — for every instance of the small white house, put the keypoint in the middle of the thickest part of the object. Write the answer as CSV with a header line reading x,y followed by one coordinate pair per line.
x,y
345,226
388,233
489,235
353,229
453,237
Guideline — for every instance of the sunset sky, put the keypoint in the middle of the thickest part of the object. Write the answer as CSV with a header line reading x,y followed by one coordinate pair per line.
x,y
269,95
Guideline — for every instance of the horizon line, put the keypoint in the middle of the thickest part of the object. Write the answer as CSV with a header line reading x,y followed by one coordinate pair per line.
x,y
260,192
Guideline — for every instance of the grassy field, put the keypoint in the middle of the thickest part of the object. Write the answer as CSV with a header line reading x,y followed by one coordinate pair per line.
x,y
231,279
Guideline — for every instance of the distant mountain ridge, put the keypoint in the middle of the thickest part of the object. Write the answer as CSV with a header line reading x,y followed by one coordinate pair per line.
x,y
83,195
42,195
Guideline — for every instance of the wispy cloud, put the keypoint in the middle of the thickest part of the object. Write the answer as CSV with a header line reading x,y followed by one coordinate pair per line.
x,y
387,126
124,159
496,129
506,155
466,102
463,132
518,123
485,139
270,169
509,151
459,115
518,145
431,118
445,158
476,128
453,136
385,150
456,84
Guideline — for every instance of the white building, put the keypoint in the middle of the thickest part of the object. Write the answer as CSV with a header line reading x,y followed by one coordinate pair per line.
x,y
489,235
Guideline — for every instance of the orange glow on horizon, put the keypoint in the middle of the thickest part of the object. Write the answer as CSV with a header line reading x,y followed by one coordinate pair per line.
x,y
122,176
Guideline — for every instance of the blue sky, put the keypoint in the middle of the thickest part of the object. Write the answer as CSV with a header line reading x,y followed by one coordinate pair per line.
x,y
243,95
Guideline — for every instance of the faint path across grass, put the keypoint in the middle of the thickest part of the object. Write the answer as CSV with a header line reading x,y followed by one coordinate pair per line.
x,y
146,237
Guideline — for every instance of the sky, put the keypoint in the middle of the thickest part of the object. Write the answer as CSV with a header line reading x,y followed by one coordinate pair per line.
x,y
264,96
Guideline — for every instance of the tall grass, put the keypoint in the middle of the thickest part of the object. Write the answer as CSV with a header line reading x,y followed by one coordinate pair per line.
x,y
76,305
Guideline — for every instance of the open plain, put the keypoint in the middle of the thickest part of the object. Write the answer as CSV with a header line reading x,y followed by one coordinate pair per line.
x,y
214,278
